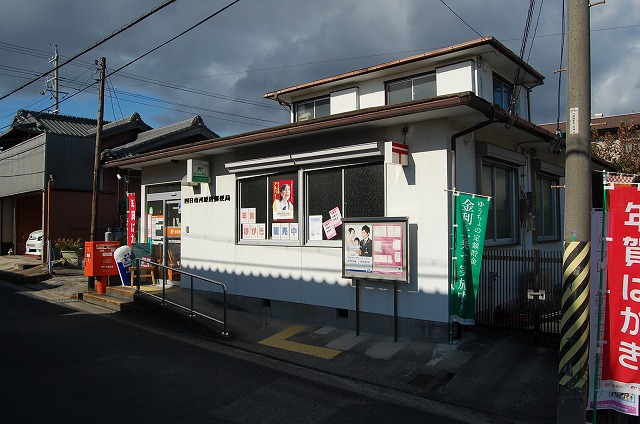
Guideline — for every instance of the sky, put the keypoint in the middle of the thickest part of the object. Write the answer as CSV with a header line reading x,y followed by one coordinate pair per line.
x,y
221,68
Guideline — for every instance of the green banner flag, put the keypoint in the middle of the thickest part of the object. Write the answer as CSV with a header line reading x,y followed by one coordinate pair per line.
x,y
471,213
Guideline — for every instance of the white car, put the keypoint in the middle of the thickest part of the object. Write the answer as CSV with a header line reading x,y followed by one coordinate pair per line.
x,y
35,243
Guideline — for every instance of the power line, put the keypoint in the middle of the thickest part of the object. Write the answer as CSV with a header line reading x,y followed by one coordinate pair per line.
x,y
463,21
104,40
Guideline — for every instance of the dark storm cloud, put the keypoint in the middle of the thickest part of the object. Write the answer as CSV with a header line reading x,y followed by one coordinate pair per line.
x,y
259,46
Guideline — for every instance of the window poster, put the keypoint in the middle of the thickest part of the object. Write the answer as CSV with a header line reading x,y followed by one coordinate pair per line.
x,y
275,231
315,227
293,231
376,249
248,215
336,217
329,229
283,200
262,231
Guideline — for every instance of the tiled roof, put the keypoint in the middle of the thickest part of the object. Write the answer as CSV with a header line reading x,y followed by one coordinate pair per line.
x,y
38,122
162,137
128,122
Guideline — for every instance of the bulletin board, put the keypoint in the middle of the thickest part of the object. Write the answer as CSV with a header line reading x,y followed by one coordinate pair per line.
x,y
376,248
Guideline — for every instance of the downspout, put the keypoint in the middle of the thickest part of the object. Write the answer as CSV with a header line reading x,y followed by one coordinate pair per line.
x,y
454,137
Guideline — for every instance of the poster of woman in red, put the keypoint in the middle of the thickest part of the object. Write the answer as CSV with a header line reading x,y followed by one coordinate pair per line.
x,y
282,192
621,352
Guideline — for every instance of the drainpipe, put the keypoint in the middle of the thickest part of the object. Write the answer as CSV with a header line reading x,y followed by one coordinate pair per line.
x,y
454,137
459,134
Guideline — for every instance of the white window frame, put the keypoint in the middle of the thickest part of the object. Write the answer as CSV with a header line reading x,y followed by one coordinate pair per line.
x,y
543,234
499,158
411,79
314,108
302,163
504,103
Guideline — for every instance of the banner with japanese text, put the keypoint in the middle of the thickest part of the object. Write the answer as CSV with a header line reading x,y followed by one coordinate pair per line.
x,y
621,352
131,219
471,213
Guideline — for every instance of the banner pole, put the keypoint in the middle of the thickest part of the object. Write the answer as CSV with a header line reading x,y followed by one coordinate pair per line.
x,y
453,259
596,377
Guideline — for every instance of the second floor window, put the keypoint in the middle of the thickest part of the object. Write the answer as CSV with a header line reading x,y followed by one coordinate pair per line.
x,y
415,88
502,91
311,109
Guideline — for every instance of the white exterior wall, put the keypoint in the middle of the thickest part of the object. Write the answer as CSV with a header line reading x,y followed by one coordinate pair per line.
x,y
344,100
312,275
455,78
419,192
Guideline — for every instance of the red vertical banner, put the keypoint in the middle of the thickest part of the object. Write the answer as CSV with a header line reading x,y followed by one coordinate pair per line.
x,y
131,218
621,352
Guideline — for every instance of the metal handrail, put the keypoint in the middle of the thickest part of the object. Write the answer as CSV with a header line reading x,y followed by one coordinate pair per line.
x,y
192,312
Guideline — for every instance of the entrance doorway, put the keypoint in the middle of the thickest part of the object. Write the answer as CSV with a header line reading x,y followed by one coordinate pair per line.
x,y
163,230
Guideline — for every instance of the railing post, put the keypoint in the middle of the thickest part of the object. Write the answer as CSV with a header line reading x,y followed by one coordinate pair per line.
x,y
224,312
137,275
164,283
191,290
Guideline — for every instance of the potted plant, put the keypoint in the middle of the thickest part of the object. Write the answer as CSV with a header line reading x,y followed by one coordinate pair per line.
x,y
70,249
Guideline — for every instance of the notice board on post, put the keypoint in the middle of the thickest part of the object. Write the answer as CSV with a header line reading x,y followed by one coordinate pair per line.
x,y
376,248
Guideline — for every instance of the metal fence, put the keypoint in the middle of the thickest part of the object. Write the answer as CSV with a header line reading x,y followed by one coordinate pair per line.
x,y
520,295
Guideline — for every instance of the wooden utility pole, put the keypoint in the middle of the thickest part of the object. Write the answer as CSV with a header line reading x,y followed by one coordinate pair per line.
x,y
574,327
96,162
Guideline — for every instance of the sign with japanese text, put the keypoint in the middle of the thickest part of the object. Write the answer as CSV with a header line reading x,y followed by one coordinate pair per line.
x,y
621,352
471,221
283,200
198,171
376,249
131,218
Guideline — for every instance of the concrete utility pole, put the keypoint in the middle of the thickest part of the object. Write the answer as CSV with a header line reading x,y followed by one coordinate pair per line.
x,y
96,162
574,328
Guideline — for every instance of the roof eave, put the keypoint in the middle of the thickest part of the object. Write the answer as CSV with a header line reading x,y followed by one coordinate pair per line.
x,y
501,48
333,122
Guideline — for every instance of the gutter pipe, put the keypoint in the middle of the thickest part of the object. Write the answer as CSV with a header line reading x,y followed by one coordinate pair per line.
x,y
491,119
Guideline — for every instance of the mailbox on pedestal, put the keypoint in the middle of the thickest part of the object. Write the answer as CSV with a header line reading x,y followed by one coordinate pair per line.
x,y
99,262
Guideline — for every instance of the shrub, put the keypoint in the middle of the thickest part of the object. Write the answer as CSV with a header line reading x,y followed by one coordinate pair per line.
x,y
64,244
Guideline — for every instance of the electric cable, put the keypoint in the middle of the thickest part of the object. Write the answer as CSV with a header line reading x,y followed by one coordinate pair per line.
x,y
104,40
459,17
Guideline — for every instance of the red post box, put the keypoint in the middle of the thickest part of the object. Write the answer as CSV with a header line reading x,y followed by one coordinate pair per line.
x,y
99,261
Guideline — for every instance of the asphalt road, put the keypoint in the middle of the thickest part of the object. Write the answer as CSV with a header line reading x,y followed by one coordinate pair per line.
x,y
60,364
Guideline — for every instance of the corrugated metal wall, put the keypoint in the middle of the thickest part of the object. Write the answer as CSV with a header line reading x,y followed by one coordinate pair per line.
x,y
22,167
70,161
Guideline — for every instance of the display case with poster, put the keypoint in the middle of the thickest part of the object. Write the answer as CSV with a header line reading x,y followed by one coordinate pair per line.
x,y
376,248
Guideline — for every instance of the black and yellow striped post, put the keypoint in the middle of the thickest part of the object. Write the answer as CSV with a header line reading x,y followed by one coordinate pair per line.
x,y
574,327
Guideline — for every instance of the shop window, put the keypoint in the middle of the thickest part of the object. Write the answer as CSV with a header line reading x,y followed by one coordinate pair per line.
x,y
354,191
269,207
547,208
500,182
274,208
414,88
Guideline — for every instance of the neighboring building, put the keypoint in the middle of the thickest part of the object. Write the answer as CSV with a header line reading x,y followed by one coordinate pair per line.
x,y
600,125
391,140
46,169
46,166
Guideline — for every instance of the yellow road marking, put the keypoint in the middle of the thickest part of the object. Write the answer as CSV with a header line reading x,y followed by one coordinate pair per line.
x,y
279,341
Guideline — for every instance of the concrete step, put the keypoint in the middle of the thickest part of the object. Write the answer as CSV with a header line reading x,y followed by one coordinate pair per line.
x,y
121,292
105,300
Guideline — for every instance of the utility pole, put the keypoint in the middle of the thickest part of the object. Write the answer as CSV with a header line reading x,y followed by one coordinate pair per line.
x,y
54,79
574,328
96,162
